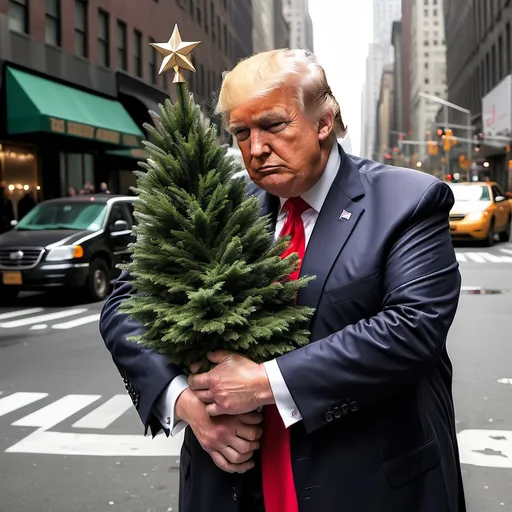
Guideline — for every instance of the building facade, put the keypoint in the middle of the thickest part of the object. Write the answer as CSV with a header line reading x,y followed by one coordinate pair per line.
x,y
380,53
479,69
270,28
296,13
385,113
78,78
427,67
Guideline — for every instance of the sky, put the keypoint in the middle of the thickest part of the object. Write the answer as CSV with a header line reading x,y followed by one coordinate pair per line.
x,y
342,31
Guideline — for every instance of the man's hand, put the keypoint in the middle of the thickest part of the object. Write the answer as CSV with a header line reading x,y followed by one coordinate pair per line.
x,y
236,385
230,440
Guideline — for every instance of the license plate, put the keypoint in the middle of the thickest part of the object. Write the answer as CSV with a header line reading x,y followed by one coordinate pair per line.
x,y
12,278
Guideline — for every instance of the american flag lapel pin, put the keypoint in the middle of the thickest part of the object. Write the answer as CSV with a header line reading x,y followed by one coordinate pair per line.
x,y
345,215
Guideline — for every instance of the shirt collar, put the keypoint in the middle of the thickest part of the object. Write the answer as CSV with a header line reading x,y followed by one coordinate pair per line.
x,y
317,194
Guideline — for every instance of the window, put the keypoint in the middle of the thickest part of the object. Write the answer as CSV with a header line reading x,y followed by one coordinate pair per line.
x,y
18,16
138,52
81,28
52,28
152,63
103,39
122,61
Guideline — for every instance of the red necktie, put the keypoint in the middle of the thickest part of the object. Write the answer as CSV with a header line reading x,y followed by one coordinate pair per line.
x,y
276,465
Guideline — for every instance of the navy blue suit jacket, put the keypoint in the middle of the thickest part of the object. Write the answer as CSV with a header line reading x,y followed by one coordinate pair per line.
x,y
374,386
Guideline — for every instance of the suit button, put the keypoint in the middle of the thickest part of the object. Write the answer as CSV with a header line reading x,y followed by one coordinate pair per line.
x,y
337,413
234,494
354,406
329,416
345,409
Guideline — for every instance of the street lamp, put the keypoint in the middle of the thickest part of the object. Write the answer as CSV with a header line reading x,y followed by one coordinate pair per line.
x,y
419,164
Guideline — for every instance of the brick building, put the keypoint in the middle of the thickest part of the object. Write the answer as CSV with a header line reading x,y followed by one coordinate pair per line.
x,y
77,78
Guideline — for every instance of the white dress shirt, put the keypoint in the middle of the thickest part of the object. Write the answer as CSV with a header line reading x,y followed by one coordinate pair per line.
x,y
315,197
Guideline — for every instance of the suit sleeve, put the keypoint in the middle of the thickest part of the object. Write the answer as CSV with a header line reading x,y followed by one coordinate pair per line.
x,y
374,358
146,373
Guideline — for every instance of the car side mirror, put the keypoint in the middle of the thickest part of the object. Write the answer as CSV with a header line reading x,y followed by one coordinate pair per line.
x,y
500,199
119,226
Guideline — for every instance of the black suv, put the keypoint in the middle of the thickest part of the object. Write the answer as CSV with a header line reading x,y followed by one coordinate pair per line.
x,y
72,242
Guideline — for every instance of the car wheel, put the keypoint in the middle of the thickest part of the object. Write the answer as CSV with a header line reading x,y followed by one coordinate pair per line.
x,y
8,295
490,235
98,280
505,235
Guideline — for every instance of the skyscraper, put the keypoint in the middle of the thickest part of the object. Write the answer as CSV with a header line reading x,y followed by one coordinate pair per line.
x,y
380,52
296,13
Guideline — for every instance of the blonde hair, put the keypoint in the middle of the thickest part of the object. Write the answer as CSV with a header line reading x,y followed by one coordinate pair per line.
x,y
258,75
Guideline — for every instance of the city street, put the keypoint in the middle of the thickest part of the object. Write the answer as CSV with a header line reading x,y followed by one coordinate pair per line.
x,y
70,440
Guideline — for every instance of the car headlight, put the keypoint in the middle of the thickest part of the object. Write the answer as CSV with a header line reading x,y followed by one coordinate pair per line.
x,y
65,252
475,215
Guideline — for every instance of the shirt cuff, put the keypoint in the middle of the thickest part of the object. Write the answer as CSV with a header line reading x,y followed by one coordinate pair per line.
x,y
166,406
284,402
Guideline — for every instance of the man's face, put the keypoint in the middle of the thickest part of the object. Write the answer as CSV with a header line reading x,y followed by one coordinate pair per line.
x,y
281,147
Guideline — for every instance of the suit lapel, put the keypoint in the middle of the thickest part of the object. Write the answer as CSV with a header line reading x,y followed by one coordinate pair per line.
x,y
338,217
269,204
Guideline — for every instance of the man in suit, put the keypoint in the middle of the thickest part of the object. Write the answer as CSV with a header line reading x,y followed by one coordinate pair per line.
x,y
366,408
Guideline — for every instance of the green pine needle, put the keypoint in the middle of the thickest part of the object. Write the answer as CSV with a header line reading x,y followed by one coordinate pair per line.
x,y
205,266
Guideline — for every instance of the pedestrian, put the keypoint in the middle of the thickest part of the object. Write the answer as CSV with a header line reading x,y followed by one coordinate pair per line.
x,y
362,418
25,204
6,210
72,192
104,188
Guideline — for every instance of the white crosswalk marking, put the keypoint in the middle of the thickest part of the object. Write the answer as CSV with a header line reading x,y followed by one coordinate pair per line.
x,y
42,318
16,401
475,256
460,257
79,321
22,312
104,444
106,413
57,411
507,251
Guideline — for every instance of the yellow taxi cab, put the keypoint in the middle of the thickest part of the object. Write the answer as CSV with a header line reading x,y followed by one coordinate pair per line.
x,y
481,211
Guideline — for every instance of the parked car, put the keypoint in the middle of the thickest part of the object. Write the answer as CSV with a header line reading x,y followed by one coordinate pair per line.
x,y
72,242
481,211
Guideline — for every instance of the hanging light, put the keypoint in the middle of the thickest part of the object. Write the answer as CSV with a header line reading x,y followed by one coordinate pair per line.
x,y
25,187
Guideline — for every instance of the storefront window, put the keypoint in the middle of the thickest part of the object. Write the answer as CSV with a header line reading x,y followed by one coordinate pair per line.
x,y
77,172
18,173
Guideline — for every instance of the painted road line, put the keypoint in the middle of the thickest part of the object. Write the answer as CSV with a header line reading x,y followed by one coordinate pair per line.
x,y
42,318
79,321
507,251
98,445
106,413
486,448
22,312
460,257
18,400
56,412
476,257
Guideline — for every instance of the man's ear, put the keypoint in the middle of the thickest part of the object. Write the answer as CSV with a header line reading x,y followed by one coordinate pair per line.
x,y
325,126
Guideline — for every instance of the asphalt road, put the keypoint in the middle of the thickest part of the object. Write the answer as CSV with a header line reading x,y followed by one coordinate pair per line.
x,y
70,440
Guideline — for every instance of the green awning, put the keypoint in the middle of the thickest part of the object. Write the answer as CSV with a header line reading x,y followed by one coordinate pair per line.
x,y
135,154
35,104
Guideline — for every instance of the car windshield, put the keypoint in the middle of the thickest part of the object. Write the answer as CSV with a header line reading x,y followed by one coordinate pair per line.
x,y
80,216
470,192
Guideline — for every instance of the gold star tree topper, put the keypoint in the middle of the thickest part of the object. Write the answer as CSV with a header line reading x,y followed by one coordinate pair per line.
x,y
175,53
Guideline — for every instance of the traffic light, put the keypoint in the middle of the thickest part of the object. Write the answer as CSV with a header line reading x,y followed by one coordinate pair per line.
x,y
432,148
449,140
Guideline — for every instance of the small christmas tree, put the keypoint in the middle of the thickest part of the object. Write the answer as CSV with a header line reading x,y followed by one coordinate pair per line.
x,y
208,273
